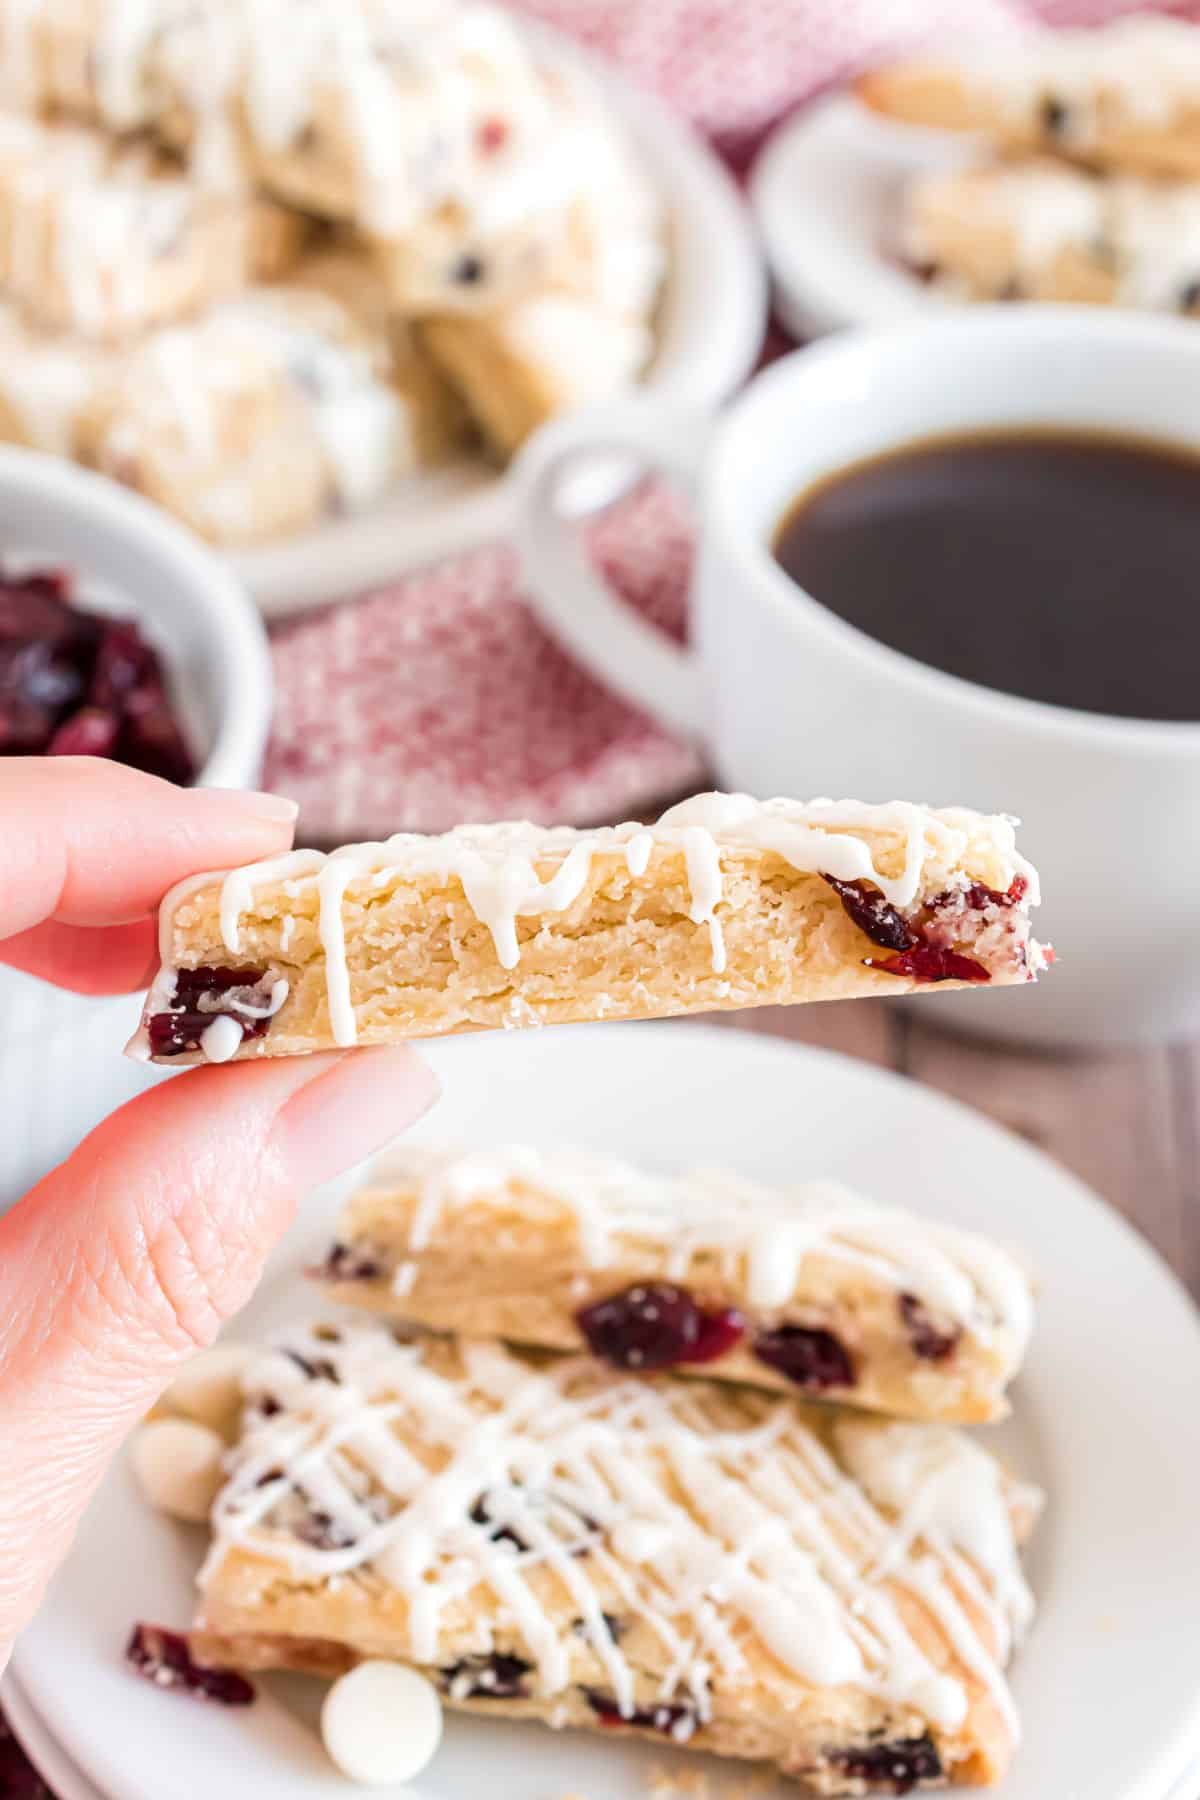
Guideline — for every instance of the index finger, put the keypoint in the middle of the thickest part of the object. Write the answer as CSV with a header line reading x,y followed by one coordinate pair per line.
x,y
88,842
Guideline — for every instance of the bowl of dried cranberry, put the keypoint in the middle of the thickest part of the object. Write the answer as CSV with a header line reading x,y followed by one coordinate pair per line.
x,y
121,635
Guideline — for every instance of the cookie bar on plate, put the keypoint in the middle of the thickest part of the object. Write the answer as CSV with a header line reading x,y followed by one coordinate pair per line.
x,y
107,240
1124,95
1045,230
257,417
749,1575
518,367
813,1290
725,902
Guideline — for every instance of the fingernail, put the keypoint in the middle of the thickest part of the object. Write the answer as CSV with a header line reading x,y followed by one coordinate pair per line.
x,y
351,1110
266,806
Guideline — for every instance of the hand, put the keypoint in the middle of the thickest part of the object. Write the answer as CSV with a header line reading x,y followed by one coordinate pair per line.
x,y
127,1259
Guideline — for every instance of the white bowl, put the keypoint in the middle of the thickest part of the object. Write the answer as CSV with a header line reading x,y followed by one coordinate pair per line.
x,y
709,333
60,1065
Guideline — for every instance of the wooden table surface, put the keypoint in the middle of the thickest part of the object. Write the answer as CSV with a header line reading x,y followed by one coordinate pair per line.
x,y
1128,1123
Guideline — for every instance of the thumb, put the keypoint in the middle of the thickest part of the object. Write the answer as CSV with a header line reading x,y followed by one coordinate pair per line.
x,y
127,1258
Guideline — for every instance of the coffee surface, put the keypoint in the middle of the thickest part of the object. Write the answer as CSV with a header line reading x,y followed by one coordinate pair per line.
x,y
1061,566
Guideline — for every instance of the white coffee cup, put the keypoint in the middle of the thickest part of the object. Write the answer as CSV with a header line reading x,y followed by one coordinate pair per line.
x,y
790,699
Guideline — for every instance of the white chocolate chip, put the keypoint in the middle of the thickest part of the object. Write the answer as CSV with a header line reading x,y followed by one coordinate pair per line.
x,y
640,1540
221,1040
209,1388
381,1723
178,1467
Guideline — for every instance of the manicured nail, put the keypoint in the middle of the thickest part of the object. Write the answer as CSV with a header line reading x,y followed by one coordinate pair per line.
x,y
352,1109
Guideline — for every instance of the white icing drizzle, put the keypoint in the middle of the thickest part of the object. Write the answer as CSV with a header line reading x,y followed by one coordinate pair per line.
x,y
518,870
761,1238
719,1520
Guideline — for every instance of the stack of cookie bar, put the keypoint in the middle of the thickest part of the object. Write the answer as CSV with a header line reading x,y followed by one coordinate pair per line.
x,y
672,1456
258,258
1092,190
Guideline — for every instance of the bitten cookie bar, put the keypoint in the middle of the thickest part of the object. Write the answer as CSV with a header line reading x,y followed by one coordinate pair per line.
x,y
725,902
813,1290
108,241
1125,95
1047,231
743,1574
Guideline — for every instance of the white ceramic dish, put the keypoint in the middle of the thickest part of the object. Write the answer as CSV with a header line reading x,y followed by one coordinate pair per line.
x,y
710,330
1106,1419
826,192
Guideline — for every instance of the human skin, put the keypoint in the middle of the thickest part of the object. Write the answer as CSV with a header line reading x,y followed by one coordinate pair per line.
x,y
131,1254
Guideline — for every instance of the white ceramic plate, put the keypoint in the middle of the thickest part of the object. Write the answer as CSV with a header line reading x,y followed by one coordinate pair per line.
x,y
710,329
1109,1683
826,194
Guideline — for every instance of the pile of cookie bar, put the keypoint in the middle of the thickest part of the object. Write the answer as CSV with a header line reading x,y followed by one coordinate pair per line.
x,y
677,1456
260,258
1091,190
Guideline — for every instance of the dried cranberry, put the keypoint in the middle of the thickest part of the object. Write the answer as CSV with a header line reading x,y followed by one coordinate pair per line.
x,y
894,1768
40,674
929,1339
124,661
873,914
164,1658
928,962
494,1677
665,1718
92,731
500,1534
19,1780
324,1532
654,1325
179,1031
979,895
314,1368
345,1263
150,737
492,136
812,1358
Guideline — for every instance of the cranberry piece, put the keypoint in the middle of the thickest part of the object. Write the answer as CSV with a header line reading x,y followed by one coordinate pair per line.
x,y
928,962
322,1531
494,1677
164,1658
979,895
873,914
92,731
654,1325
664,1718
124,661
40,674
894,1768
492,136
151,740
813,1359
314,1368
179,1031
930,1340
18,1778
345,1263
469,270
500,1534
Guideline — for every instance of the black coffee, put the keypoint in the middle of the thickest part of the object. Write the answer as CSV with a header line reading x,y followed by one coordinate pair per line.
x,y
1062,566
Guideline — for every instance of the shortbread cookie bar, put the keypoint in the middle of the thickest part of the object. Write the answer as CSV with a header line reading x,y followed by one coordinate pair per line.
x,y
689,1560
49,385
1047,231
259,417
1125,95
726,902
517,368
91,59
813,1289
108,240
